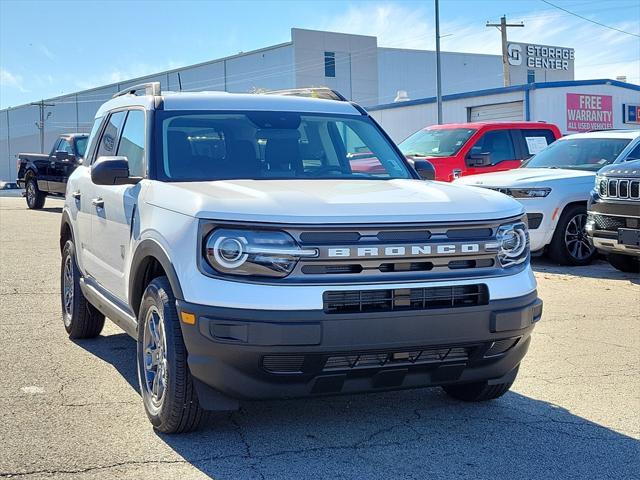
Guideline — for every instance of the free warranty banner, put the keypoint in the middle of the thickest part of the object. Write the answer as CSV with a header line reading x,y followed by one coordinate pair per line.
x,y
589,112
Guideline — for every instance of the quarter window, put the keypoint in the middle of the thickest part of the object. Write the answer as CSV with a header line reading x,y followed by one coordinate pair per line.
x,y
132,142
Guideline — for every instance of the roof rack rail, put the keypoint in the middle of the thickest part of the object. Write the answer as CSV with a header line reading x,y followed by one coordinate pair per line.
x,y
324,93
150,88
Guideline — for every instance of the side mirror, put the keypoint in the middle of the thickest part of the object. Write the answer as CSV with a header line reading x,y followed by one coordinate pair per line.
x,y
112,171
425,169
479,159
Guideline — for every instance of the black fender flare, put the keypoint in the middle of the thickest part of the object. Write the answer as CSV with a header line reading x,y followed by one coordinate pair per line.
x,y
146,250
66,222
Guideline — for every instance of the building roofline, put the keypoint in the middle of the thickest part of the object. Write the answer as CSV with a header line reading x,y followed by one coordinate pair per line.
x,y
152,75
513,88
448,52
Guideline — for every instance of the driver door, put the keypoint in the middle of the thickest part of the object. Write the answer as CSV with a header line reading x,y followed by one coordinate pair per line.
x,y
500,147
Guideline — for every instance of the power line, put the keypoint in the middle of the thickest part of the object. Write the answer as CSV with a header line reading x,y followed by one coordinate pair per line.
x,y
590,20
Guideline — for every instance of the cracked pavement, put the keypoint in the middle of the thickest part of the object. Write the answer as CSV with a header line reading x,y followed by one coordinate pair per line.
x,y
71,409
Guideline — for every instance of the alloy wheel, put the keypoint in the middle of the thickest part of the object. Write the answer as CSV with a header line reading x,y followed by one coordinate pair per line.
x,y
67,290
154,358
576,240
31,193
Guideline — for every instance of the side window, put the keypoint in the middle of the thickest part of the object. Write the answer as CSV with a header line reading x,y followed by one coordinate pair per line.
x,y
536,140
132,142
64,146
634,154
92,141
498,143
109,137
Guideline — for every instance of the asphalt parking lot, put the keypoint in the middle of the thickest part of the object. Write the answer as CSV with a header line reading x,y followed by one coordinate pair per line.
x,y
71,409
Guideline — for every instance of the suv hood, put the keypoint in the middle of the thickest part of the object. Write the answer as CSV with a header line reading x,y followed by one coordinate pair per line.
x,y
331,201
528,177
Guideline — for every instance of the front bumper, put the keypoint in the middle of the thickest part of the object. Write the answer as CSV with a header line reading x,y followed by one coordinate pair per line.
x,y
613,225
275,353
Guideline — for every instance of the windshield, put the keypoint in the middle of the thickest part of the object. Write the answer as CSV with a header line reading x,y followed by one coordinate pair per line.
x,y
578,153
436,143
81,145
200,146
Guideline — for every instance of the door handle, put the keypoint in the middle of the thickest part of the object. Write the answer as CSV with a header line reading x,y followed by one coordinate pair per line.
x,y
76,194
97,202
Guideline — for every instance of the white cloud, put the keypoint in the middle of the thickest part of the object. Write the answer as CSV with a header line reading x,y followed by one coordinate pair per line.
x,y
11,80
121,75
600,52
46,52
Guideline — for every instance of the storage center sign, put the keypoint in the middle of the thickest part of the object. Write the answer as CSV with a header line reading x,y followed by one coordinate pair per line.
x,y
589,112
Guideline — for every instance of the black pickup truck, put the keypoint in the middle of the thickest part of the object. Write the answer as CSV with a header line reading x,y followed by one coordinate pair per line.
x,y
41,174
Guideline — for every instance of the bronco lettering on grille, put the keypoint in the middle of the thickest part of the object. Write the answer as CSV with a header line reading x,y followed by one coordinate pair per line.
x,y
402,251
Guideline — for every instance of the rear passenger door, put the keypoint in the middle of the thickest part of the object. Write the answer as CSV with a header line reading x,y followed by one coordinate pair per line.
x,y
115,205
499,144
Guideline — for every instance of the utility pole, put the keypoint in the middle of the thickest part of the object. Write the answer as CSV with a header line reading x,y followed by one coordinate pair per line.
x,y
502,26
438,73
40,124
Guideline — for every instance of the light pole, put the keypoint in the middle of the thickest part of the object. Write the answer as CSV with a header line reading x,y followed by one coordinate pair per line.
x,y
438,73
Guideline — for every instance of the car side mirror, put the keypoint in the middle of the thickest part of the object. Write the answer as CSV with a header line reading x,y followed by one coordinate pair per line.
x,y
425,169
479,159
112,171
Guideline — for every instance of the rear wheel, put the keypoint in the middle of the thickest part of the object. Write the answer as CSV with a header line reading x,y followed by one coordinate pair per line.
x,y
167,387
81,319
570,244
624,263
35,198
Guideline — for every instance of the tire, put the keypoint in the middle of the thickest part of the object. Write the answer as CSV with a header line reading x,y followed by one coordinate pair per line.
x,y
166,384
477,392
80,318
624,263
35,198
570,244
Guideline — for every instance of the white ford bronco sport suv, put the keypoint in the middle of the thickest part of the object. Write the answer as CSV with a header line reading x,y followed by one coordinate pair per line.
x,y
238,240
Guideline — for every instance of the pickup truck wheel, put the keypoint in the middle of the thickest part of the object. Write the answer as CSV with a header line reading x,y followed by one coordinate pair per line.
x,y
166,384
81,319
624,263
570,244
35,198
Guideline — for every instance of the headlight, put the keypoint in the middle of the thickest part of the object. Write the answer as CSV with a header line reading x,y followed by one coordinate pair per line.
x,y
260,253
528,192
512,244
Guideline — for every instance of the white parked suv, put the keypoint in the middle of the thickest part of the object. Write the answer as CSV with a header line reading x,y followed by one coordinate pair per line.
x,y
234,238
554,187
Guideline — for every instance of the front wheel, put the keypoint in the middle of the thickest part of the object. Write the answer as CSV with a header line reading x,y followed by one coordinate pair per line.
x,y
624,263
570,244
166,383
35,198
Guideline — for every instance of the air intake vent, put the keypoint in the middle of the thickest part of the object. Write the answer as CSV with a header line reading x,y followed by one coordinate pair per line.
x,y
283,363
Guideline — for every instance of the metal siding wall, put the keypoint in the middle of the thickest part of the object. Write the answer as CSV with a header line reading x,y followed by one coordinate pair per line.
x,y
550,104
415,72
400,122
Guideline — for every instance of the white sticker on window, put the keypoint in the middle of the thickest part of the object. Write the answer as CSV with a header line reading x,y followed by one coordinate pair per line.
x,y
535,144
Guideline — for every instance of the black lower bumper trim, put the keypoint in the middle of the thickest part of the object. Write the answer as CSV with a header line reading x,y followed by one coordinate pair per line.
x,y
276,354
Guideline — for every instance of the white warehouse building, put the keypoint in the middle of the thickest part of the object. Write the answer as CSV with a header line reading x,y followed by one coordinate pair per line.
x,y
352,64
574,106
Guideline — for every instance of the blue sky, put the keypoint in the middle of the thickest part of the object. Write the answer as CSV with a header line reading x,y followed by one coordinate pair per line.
x,y
48,48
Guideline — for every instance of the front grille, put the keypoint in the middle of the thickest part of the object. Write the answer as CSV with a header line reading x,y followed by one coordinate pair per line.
x,y
608,222
360,301
619,188
353,361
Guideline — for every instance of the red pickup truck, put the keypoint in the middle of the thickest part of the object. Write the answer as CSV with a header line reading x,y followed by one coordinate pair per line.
x,y
458,149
